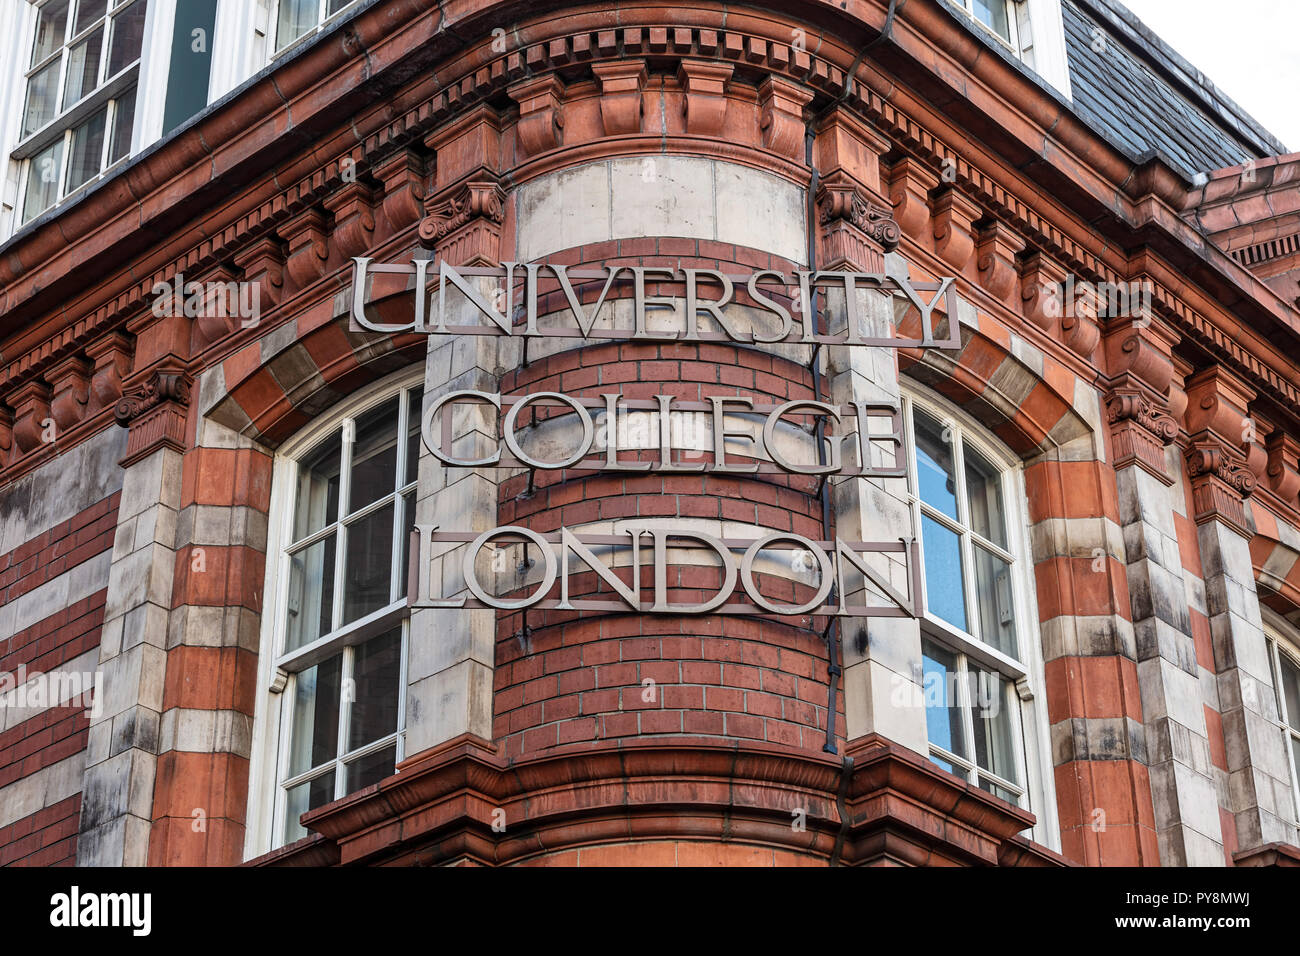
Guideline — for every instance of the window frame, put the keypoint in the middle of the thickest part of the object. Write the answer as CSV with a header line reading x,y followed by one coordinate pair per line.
x,y
108,93
1283,641
269,781
1031,734
1011,42
324,21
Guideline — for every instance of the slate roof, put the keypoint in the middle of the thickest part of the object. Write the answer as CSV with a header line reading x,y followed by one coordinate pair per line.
x,y
1142,96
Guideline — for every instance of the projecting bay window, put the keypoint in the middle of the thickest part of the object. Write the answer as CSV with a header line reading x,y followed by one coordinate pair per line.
x,y
964,497
343,513
1284,657
79,102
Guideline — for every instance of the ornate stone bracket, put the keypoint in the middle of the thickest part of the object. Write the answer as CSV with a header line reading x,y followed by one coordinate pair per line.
x,y
263,262
953,222
354,218
465,225
1284,466
1040,291
154,410
6,436
781,106
31,405
541,115
70,381
403,177
1219,454
621,84
705,103
909,191
996,248
305,234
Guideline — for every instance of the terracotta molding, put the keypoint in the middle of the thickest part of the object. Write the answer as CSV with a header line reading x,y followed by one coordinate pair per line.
x,y
402,174
354,220
305,235
31,405
910,184
953,216
111,358
996,248
263,263
899,807
70,385
1041,282
1284,467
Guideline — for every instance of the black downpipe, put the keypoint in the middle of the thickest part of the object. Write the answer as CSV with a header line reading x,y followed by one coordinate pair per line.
x,y
833,668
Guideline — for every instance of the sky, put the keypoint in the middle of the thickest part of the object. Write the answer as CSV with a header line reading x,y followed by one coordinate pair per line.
x,y
1249,49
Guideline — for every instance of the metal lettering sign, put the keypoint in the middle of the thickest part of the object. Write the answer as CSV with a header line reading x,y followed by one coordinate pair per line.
x,y
514,309
719,415
558,552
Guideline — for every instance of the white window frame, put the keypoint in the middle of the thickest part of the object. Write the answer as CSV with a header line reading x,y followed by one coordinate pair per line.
x,y
324,21
1025,677
106,95
1283,642
1012,42
268,788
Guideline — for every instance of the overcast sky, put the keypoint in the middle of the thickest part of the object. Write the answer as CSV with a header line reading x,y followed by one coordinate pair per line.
x,y
1249,49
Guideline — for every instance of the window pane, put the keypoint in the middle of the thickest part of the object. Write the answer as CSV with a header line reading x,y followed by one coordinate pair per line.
x,y
993,14
336,5
942,710
51,29
374,457
87,150
1291,690
994,746
304,797
43,180
42,89
369,571
984,494
415,408
935,479
371,768
376,670
296,18
318,487
123,124
993,602
83,68
945,592
316,716
311,594
127,38
88,11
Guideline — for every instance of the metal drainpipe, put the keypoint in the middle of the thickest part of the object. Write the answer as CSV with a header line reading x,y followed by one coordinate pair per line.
x,y
833,668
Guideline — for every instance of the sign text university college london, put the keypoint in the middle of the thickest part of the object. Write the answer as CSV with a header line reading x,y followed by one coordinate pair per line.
x,y
772,301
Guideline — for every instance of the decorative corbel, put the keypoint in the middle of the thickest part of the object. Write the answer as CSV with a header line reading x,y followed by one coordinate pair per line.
x,y
70,385
6,436
111,361
354,218
621,85
402,174
305,235
953,228
263,263
910,184
705,86
31,418
541,116
996,247
1141,408
1041,294
781,105
1283,468
220,311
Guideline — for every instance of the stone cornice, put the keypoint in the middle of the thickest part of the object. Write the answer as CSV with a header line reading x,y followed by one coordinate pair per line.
x,y
881,803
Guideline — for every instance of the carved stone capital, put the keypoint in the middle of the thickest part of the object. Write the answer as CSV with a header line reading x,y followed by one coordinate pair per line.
x,y
154,409
844,201
1141,427
1221,481
464,226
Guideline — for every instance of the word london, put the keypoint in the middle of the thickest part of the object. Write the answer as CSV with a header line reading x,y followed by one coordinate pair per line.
x,y
500,311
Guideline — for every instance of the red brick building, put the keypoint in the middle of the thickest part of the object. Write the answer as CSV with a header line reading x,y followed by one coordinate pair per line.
x,y
211,472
